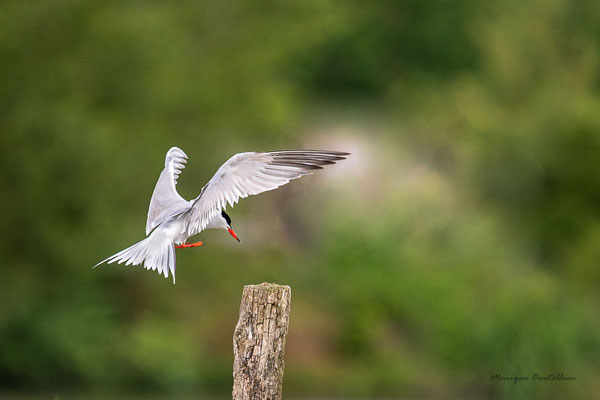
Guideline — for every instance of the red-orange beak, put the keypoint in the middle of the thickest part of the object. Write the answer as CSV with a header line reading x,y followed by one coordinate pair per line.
x,y
232,233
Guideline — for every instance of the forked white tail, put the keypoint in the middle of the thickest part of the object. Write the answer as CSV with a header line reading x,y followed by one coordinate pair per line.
x,y
156,252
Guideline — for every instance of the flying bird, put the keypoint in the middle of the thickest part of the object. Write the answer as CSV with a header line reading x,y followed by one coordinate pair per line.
x,y
172,219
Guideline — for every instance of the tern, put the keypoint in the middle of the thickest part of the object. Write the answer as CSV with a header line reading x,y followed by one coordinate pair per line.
x,y
172,219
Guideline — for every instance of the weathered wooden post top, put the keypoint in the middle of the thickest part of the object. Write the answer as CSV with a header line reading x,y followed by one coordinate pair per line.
x,y
259,342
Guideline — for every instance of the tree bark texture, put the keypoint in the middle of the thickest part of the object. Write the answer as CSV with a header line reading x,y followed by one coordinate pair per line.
x,y
259,342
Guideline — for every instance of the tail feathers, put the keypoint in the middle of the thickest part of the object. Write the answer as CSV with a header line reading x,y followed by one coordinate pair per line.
x,y
156,252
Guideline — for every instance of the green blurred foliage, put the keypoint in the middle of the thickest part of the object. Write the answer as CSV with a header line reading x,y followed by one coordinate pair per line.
x,y
461,241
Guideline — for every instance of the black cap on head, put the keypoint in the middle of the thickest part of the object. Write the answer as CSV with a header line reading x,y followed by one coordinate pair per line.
x,y
224,215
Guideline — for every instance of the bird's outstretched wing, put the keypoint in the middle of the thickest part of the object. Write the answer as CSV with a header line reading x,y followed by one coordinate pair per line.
x,y
165,194
252,173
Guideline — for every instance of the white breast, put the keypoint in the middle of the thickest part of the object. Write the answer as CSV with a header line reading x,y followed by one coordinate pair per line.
x,y
175,229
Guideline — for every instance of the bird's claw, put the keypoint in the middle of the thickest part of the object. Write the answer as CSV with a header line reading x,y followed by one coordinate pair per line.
x,y
186,245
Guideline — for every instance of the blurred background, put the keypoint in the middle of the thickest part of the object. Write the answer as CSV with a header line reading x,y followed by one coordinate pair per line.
x,y
461,239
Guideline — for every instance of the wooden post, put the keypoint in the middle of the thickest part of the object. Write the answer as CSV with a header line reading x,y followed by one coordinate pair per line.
x,y
259,342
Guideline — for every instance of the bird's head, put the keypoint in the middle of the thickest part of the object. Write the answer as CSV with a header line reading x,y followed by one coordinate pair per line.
x,y
227,225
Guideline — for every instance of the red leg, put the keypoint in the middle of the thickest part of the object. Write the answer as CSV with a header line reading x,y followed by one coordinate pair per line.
x,y
186,245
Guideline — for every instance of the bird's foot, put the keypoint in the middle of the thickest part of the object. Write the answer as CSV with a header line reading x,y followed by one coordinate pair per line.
x,y
185,245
